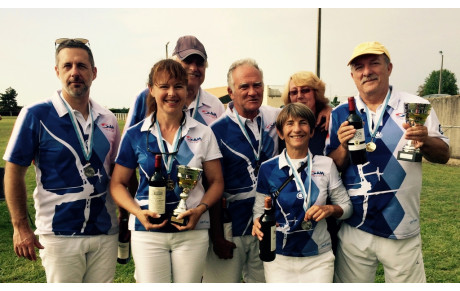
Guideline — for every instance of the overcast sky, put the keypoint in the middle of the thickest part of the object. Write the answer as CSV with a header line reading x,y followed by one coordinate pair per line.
x,y
127,42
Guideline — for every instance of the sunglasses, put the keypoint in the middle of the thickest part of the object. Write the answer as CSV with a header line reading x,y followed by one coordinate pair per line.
x,y
303,91
59,41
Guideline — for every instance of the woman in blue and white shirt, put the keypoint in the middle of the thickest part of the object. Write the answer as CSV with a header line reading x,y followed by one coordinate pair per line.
x,y
167,252
303,249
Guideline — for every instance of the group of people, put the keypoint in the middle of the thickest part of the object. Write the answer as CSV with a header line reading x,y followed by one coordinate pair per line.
x,y
85,169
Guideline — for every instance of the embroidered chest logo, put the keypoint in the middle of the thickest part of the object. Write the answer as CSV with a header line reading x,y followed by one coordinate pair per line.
x,y
193,139
209,113
108,127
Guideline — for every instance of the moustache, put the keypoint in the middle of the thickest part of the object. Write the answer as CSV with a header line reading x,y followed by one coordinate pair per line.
x,y
369,78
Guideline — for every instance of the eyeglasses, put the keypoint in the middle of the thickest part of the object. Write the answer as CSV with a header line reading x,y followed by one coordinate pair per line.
x,y
59,41
303,91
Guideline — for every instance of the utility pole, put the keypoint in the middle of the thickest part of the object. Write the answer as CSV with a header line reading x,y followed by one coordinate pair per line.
x,y
440,73
318,47
167,49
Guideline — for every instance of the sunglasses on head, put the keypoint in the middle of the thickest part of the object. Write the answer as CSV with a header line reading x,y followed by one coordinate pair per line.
x,y
59,41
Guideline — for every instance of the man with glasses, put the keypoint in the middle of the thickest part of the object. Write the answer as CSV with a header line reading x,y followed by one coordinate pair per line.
x,y
72,142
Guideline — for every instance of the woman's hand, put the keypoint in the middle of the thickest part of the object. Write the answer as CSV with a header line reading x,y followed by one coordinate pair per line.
x,y
256,229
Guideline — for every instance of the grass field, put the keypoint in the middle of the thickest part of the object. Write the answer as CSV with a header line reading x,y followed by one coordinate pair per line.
x,y
439,219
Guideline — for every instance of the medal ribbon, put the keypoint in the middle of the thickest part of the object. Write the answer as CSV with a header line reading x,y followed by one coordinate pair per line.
x,y
87,151
306,195
168,159
243,129
377,125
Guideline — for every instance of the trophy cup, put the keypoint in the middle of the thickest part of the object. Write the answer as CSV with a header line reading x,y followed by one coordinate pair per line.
x,y
188,177
416,113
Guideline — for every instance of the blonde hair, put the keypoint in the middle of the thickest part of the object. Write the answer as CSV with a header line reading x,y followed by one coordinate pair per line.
x,y
305,78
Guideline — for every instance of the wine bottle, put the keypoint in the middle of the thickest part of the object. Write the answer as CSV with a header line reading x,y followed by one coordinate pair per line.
x,y
356,145
157,193
124,246
226,221
267,246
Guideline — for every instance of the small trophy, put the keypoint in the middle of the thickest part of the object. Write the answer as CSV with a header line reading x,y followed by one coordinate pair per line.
x,y
188,177
416,113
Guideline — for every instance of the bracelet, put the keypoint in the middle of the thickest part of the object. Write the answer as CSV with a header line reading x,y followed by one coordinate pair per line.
x,y
205,205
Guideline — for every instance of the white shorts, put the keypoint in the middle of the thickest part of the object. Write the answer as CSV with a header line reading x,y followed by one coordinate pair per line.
x,y
359,253
245,263
177,257
314,269
90,259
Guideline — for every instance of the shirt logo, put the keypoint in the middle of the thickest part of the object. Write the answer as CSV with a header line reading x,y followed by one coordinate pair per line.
x,y
209,113
108,127
400,115
317,173
269,126
193,139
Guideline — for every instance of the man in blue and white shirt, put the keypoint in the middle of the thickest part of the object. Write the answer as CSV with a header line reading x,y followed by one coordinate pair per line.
x,y
385,191
72,142
246,135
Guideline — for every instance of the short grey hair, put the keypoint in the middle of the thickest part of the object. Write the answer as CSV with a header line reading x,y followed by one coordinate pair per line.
x,y
239,63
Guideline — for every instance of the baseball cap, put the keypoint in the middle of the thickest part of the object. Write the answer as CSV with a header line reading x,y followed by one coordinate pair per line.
x,y
189,45
372,47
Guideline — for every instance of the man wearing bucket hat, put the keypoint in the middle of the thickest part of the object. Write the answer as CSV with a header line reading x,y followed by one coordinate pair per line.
x,y
385,191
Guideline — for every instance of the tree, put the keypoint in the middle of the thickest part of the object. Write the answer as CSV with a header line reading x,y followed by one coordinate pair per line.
x,y
8,101
431,86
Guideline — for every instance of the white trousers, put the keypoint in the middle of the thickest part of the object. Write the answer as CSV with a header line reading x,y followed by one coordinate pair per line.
x,y
359,253
89,259
245,263
314,269
169,257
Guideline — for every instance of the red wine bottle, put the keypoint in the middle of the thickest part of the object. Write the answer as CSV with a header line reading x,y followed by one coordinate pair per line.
x,y
124,246
356,145
157,193
226,221
267,246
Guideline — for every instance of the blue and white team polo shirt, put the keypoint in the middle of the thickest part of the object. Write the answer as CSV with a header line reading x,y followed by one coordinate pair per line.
x,y
290,206
239,161
197,144
209,109
67,202
385,192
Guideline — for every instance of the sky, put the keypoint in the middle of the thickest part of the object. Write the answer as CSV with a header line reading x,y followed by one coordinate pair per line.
x,y
126,42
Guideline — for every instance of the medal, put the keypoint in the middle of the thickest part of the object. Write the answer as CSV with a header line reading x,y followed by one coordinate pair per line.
x,y
89,171
86,147
306,225
169,184
370,147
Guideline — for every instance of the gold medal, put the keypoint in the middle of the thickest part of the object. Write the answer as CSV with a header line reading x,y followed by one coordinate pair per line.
x,y
370,147
89,171
306,225
169,184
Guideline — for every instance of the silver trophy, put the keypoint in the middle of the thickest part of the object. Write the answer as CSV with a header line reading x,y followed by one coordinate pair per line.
x,y
188,177
416,113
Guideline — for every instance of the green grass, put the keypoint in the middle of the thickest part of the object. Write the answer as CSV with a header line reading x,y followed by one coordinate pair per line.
x,y
439,218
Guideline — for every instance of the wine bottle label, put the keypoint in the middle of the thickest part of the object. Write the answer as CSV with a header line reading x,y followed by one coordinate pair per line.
x,y
228,235
123,250
273,238
358,142
157,199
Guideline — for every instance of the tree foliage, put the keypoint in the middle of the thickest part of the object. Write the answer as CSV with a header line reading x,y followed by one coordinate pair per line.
x,y
8,101
431,86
